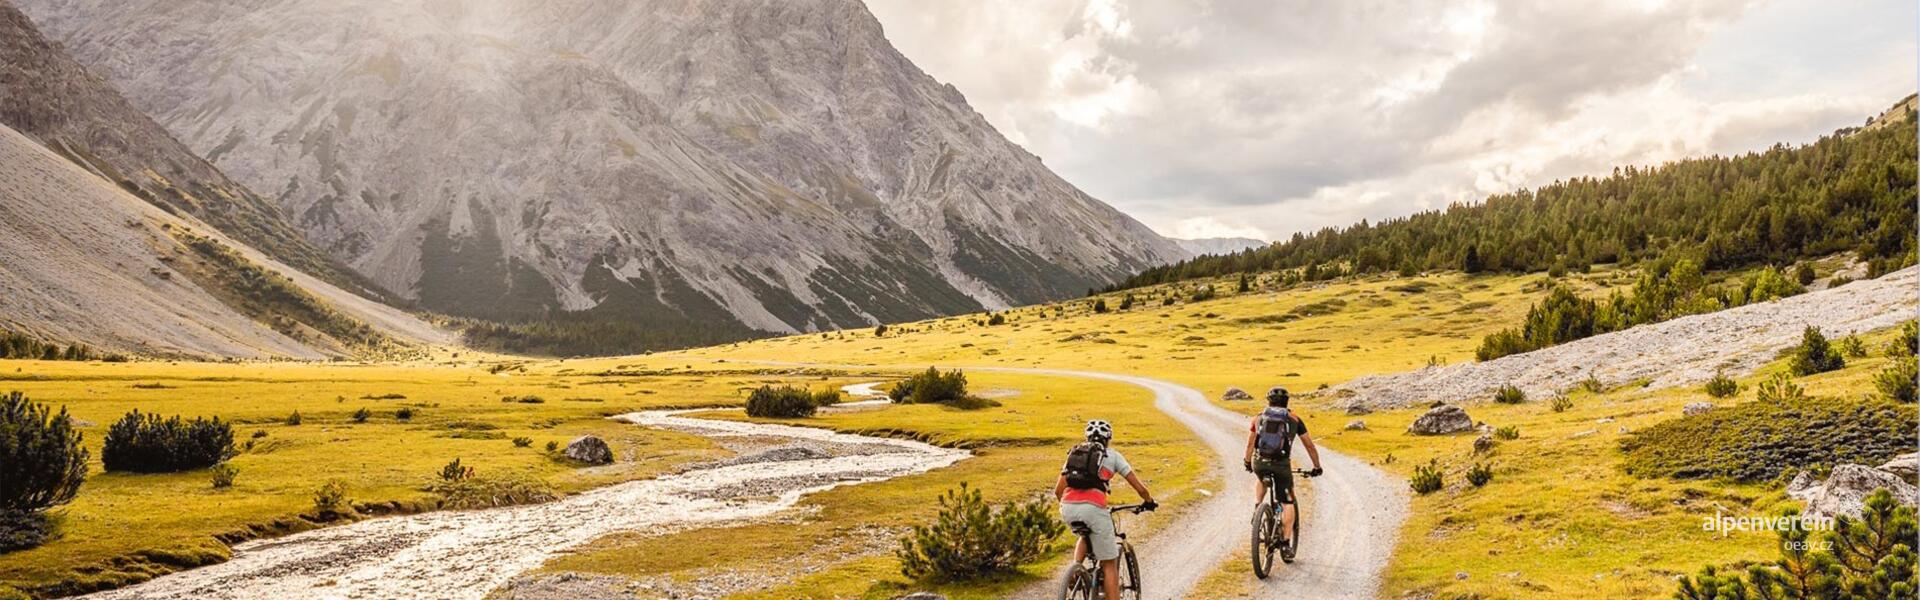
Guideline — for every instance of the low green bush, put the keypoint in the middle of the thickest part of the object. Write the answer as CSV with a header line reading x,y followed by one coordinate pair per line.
x,y
826,397
1507,432
784,402
331,502
148,444
970,538
294,419
1427,478
361,416
1759,441
1815,355
223,474
492,492
523,442
1852,347
1780,388
403,414
1561,403
454,471
1479,474
1896,382
42,462
930,387
1508,394
1722,386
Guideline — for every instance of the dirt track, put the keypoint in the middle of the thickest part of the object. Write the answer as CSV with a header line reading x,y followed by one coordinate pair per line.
x,y
1353,513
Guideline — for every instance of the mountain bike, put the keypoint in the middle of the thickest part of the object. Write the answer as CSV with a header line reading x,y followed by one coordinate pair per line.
x,y
1266,527
1085,580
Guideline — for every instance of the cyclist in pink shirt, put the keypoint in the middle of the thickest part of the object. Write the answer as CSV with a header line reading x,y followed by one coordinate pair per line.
x,y
1086,502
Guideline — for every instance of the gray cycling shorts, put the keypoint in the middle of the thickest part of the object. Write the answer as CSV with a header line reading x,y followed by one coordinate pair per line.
x,y
1104,544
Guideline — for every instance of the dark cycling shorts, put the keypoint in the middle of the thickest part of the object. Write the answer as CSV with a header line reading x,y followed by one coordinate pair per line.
x,y
1280,472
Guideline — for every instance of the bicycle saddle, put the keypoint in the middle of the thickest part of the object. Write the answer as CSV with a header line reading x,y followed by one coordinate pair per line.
x,y
1081,529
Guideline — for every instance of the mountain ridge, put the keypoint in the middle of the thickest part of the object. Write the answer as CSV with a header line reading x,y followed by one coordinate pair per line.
x,y
737,167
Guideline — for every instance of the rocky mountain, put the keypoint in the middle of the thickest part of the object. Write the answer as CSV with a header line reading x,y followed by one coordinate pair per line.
x,y
1205,246
726,165
48,97
83,259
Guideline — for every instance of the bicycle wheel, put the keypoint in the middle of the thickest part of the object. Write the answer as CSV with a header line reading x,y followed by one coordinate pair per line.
x,y
1078,585
1129,573
1262,550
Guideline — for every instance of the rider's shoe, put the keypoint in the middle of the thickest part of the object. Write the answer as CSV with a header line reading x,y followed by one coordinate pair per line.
x,y
1286,550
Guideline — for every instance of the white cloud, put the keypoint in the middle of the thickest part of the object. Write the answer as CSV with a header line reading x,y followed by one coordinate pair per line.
x,y
1210,116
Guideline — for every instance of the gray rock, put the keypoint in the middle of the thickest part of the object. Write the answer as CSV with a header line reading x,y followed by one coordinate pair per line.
x,y
1907,465
921,596
1234,393
1442,420
1357,425
590,449
1581,434
1845,491
1358,410
1483,444
1696,408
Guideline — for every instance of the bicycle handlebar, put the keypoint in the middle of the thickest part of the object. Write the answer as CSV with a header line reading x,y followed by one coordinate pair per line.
x,y
1133,508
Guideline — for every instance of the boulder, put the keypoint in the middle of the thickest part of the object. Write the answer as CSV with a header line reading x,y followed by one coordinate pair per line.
x,y
1358,410
590,449
1357,425
1442,420
1845,491
1234,393
1696,408
1907,466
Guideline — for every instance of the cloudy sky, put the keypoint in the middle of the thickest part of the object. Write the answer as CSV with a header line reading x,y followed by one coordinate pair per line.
x,y
1264,117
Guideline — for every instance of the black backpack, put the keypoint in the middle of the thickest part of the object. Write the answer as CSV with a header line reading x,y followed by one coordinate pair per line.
x,y
1083,467
1275,439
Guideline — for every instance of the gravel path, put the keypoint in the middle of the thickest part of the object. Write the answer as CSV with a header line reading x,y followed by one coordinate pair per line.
x,y
466,554
1682,351
1353,513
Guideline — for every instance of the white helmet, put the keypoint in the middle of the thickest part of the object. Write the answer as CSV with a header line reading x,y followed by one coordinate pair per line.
x,y
1099,431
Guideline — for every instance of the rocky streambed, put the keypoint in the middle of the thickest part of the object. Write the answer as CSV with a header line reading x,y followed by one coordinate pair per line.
x,y
467,554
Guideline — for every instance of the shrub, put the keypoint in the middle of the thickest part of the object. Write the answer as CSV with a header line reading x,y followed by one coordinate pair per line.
x,y
1722,386
784,402
930,387
1896,382
1867,557
223,475
1100,306
1507,432
523,442
970,538
1907,343
552,446
42,463
294,419
1815,355
826,397
1780,389
403,414
1803,274
1508,394
1480,474
997,319
361,416
147,444
1593,385
527,399
1427,478
1758,441
1852,347
454,471
330,501
880,331
20,530
1561,403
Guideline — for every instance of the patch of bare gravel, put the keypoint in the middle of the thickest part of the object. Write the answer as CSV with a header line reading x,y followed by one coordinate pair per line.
x,y
1682,351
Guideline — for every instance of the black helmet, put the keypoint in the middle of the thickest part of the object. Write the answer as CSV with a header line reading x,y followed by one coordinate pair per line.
x,y
1278,396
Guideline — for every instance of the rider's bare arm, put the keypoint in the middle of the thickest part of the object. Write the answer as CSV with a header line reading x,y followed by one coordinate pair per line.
x,y
1312,452
1141,488
1252,436
1060,487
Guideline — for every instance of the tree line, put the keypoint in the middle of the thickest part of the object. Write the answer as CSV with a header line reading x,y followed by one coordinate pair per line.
x,y
1853,190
